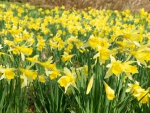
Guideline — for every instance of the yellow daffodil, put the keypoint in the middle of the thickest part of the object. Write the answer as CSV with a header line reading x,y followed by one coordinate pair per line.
x,y
90,84
125,44
60,45
133,88
129,69
103,54
24,80
48,64
143,95
109,92
40,44
42,79
9,43
53,73
29,73
25,50
69,48
18,40
67,80
115,67
33,59
94,42
66,57
8,73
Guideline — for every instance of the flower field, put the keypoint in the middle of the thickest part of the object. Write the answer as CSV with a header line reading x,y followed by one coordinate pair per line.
x,y
73,61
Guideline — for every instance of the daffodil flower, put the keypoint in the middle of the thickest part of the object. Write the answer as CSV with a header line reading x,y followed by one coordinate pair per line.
x,y
24,80
68,79
103,54
90,84
115,67
133,88
25,50
41,44
129,69
109,92
42,79
66,57
54,73
29,73
48,64
143,95
8,73
33,59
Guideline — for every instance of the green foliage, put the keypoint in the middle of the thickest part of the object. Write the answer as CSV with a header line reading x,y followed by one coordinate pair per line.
x,y
51,58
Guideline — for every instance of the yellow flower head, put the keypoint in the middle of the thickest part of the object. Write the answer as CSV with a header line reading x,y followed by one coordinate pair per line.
x,y
29,73
133,88
109,92
104,43
94,42
23,79
115,67
9,43
129,69
143,95
103,55
66,57
9,74
42,79
67,80
90,84
25,50
54,74
48,64
33,59
40,44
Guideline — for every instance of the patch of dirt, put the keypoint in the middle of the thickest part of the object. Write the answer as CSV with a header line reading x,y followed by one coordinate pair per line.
x,y
133,5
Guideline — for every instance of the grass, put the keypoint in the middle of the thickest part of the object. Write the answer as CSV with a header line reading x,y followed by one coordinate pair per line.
x,y
73,61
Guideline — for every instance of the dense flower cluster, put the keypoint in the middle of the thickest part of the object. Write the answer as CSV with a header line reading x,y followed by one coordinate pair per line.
x,y
41,44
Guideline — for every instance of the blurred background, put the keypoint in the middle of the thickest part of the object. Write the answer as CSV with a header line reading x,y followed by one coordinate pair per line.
x,y
133,5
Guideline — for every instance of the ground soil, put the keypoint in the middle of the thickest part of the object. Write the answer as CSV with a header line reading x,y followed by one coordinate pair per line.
x,y
133,5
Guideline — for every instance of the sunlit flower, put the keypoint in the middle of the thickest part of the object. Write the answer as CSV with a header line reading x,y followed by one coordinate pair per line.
x,y
143,95
8,73
48,64
115,67
29,73
40,44
42,79
33,59
94,42
90,84
129,69
68,79
24,80
53,73
66,57
103,55
109,92
133,88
